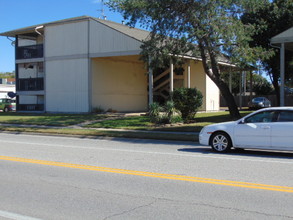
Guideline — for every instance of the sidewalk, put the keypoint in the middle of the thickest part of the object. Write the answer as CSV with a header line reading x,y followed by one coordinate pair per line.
x,y
142,134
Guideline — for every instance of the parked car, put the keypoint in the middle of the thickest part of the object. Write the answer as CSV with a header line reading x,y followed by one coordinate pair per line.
x,y
7,105
269,128
259,102
288,90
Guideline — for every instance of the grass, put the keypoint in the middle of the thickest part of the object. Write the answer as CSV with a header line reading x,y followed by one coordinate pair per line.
x,y
47,119
101,133
127,123
143,123
132,122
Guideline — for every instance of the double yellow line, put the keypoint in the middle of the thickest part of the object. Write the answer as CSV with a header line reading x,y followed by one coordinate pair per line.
x,y
155,175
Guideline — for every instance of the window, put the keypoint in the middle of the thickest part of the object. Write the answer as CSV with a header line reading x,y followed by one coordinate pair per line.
x,y
267,116
285,116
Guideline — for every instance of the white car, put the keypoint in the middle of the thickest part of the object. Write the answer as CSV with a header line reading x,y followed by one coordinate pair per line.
x,y
269,128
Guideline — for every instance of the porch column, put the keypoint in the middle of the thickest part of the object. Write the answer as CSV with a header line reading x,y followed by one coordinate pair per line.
x,y
188,74
230,80
282,74
240,90
171,76
151,83
251,84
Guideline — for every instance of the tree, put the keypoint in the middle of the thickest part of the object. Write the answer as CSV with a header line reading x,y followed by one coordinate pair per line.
x,y
187,101
271,20
207,29
7,74
260,85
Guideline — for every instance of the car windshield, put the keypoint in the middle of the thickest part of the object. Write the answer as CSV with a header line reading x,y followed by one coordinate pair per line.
x,y
261,117
259,99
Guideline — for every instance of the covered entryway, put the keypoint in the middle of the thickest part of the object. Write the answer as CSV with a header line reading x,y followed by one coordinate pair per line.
x,y
284,41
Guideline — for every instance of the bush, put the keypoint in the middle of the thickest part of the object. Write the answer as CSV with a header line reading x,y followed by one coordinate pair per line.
x,y
154,112
98,110
169,111
187,101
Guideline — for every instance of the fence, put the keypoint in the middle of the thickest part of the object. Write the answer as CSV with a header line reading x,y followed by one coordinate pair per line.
x,y
245,99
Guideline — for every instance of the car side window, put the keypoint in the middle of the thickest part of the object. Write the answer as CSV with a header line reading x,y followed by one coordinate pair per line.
x,y
285,116
262,117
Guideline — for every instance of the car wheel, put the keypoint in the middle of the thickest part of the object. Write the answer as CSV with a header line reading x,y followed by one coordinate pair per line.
x,y
6,109
221,142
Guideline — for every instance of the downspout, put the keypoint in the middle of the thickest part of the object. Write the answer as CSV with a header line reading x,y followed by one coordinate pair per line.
x,y
37,30
44,66
12,41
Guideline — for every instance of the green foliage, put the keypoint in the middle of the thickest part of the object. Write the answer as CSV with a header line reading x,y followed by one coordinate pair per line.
x,y
260,85
169,110
98,110
270,21
163,114
187,101
7,75
154,112
210,30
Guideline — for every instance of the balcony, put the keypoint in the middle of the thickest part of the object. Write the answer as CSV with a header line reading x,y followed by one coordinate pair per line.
x,y
30,52
30,84
30,107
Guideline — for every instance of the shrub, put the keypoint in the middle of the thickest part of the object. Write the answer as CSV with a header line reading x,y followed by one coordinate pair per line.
x,y
169,111
187,101
98,110
154,112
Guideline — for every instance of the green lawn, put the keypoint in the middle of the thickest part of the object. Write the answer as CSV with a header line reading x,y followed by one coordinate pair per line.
x,y
131,122
47,119
143,123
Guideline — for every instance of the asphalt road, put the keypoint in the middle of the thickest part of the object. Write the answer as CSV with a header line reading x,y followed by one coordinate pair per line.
x,y
47,177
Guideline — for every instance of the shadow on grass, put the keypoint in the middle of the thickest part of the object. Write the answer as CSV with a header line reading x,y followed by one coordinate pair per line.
x,y
217,117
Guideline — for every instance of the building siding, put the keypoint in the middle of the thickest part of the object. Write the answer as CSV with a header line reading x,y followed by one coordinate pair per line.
x,y
67,86
66,39
104,39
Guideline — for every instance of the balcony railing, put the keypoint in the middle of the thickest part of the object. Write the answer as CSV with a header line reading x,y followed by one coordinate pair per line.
x,y
30,84
30,52
30,107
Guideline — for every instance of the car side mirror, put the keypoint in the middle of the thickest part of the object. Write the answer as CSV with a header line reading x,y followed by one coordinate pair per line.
x,y
242,122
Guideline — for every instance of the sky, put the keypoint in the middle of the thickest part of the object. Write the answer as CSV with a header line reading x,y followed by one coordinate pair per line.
x,y
16,14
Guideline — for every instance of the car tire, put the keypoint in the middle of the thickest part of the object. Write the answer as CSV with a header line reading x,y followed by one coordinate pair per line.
x,y
6,109
221,142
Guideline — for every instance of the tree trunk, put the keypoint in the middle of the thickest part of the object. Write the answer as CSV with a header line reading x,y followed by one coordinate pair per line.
x,y
229,98
277,89
214,75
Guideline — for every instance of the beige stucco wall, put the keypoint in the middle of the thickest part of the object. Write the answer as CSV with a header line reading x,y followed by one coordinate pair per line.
x,y
202,82
119,83
212,96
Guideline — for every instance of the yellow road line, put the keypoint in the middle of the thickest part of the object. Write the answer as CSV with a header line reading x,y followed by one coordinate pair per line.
x,y
151,174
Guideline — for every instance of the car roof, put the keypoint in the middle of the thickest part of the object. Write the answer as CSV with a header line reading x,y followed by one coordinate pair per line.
x,y
278,108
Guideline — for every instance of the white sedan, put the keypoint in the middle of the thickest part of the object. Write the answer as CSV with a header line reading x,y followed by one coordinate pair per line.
x,y
269,128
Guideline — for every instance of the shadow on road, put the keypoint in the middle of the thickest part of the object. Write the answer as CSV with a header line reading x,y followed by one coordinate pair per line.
x,y
242,153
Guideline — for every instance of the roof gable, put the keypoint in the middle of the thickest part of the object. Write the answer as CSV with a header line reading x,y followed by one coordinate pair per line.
x,y
135,33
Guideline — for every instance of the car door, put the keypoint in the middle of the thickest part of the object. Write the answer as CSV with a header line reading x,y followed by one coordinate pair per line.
x,y
1,104
282,131
254,131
